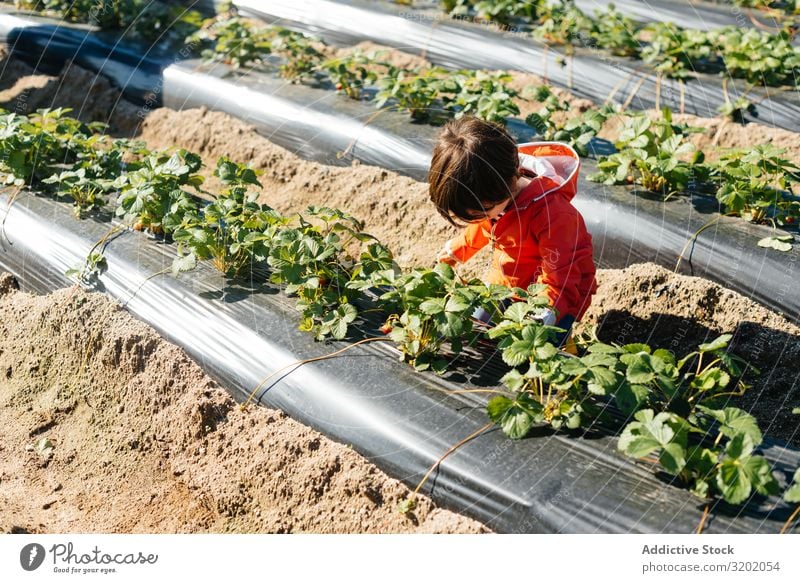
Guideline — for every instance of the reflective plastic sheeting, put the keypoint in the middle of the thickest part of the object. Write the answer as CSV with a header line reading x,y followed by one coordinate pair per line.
x,y
592,74
320,125
399,419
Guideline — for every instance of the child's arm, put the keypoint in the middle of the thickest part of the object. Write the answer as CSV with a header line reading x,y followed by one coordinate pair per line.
x,y
466,244
564,252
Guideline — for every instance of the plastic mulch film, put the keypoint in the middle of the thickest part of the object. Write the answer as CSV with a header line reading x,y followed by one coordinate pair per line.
x,y
626,228
401,420
452,43
319,125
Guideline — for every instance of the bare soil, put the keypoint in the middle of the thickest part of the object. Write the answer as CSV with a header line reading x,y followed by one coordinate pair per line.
x,y
141,414
144,442
647,303
90,97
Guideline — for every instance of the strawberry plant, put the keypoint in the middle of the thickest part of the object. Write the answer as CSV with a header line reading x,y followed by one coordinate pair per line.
x,y
651,153
301,58
92,174
86,274
562,23
614,32
546,387
576,131
501,11
152,194
352,73
478,93
429,307
757,183
312,261
756,56
686,411
416,93
234,231
678,52
232,40
146,19
728,466
34,147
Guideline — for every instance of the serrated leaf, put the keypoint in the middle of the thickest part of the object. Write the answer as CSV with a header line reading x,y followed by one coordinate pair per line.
x,y
518,353
733,481
783,243
432,306
673,458
184,263
512,419
716,344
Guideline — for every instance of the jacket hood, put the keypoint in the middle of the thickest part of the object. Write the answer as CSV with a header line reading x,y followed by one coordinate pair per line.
x,y
556,167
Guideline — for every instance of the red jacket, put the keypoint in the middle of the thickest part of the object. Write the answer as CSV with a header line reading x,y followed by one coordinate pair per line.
x,y
541,238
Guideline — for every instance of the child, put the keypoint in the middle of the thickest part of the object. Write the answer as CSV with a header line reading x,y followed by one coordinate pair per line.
x,y
517,199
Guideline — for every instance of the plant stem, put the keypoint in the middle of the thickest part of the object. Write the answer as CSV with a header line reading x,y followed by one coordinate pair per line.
x,y
695,235
446,454
11,200
703,518
299,363
788,523
144,281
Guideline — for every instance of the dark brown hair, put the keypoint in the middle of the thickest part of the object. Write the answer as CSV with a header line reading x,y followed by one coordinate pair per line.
x,y
472,167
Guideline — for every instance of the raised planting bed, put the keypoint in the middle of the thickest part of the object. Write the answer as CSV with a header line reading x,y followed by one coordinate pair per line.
x,y
399,419
320,125
590,74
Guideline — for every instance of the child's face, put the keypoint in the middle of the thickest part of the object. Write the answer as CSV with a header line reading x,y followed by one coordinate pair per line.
x,y
490,212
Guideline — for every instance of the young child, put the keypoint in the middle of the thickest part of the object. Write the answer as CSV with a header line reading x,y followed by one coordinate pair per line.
x,y
518,200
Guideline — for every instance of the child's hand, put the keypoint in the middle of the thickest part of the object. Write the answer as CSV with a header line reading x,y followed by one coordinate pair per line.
x,y
446,255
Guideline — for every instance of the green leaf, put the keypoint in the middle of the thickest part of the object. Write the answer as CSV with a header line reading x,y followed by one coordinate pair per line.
x,y
457,304
792,494
782,243
517,311
629,397
741,446
184,263
339,328
733,481
433,306
515,421
518,353
636,348
637,445
639,370
734,421
673,458
717,344
602,381
514,380
760,474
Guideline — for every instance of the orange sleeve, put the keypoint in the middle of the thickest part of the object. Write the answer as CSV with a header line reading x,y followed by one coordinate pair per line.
x,y
564,253
471,240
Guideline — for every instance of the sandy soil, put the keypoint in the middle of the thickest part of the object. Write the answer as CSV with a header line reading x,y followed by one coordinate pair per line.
x,y
647,303
143,441
91,97
112,421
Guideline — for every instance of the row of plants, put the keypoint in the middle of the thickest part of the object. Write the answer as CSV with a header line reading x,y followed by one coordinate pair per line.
x,y
430,95
149,20
758,56
677,409
653,154
754,183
